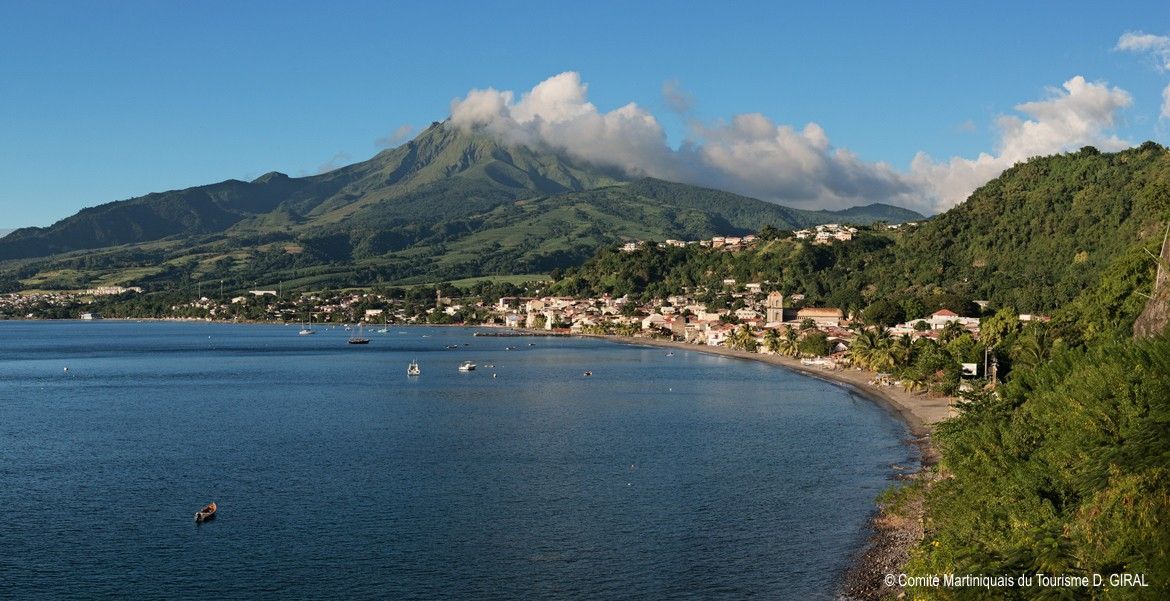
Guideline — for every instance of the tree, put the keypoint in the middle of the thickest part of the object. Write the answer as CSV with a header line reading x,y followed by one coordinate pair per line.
x,y
902,351
772,340
790,342
950,331
861,348
741,338
999,328
1032,347
815,343
883,312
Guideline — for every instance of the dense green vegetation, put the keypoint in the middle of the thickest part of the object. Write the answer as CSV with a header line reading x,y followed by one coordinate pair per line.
x,y
1066,470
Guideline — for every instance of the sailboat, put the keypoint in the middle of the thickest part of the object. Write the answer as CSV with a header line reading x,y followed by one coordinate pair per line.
x,y
385,327
307,329
358,338
413,369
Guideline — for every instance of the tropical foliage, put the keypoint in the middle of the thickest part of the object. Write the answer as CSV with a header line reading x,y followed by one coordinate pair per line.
x,y
1065,470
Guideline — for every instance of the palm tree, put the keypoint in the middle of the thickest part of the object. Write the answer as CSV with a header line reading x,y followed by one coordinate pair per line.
x,y
882,359
951,331
902,350
875,349
772,340
1031,349
741,338
789,344
862,347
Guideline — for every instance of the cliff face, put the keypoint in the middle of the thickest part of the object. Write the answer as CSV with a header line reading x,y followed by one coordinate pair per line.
x,y
1156,315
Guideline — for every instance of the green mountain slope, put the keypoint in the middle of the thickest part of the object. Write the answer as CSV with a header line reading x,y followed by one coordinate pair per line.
x,y
441,166
448,204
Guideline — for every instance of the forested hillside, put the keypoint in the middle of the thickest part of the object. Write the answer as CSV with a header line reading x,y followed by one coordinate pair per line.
x,y
1068,235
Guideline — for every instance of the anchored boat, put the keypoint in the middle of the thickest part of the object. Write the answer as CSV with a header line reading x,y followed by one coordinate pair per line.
x,y
358,339
206,513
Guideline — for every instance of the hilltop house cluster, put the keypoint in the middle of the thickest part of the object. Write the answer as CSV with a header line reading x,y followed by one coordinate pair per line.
x,y
725,243
32,305
826,233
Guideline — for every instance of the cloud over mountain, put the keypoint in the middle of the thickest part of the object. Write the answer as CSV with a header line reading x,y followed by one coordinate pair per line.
x,y
751,154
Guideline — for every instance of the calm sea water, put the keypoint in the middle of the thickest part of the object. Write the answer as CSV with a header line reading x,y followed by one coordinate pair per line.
x,y
337,476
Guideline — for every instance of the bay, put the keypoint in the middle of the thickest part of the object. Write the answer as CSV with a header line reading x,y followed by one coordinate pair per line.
x,y
336,475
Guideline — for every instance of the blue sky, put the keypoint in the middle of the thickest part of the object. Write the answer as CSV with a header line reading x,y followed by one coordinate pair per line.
x,y
101,102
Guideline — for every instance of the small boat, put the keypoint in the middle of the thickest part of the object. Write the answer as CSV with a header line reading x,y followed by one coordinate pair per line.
x,y
588,373
413,369
358,338
206,513
467,366
670,354
307,328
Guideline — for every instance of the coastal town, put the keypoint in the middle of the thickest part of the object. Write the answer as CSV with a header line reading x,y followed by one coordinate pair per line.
x,y
752,317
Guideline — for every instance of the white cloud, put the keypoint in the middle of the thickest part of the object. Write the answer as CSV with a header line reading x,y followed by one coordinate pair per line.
x,y
1158,47
751,155
1082,113
556,114
755,156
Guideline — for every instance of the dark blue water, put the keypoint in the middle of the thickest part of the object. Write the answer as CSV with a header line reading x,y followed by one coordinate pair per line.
x,y
690,476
